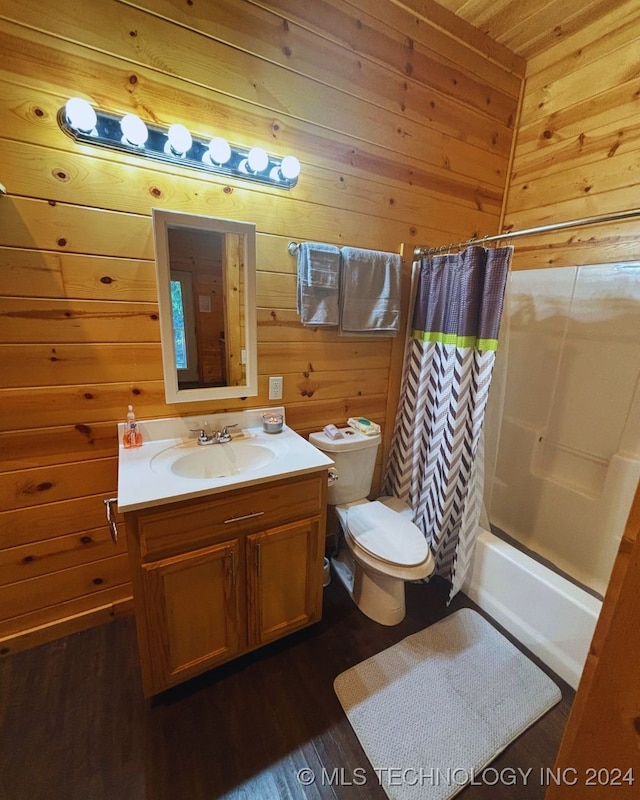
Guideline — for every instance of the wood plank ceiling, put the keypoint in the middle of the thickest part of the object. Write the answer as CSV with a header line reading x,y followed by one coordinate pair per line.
x,y
533,26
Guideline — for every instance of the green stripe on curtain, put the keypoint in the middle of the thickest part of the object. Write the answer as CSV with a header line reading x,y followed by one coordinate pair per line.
x,y
458,341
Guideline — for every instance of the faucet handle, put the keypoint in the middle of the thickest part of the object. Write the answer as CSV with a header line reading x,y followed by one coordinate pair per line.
x,y
202,434
224,435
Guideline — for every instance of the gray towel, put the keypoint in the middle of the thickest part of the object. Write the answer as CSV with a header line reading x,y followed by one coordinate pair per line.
x,y
369,292
318,284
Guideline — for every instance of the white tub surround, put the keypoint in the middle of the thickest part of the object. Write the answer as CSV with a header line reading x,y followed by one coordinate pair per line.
x,y
569,454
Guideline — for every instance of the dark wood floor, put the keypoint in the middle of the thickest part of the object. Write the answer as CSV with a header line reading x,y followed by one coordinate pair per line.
x,y
74,724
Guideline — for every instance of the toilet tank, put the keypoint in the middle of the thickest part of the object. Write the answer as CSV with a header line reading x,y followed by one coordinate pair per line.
x,y
355,460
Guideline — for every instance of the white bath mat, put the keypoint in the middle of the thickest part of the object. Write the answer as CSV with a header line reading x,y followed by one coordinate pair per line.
x,y
433,710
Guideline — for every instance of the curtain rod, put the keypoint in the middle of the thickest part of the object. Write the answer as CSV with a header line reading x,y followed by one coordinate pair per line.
x,y
557,226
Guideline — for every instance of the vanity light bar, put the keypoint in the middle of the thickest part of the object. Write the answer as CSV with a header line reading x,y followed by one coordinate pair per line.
x,y
175,145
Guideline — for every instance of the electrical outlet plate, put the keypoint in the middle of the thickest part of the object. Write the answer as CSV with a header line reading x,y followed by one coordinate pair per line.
x,y
275,388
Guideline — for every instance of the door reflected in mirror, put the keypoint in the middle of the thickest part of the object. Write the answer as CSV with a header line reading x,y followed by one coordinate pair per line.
x,y
205,269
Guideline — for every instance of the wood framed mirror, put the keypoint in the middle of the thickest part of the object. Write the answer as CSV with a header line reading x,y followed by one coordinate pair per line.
x,y
206,282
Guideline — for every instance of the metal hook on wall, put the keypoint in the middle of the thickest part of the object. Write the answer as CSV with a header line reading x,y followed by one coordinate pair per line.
x,y
293,248
111,521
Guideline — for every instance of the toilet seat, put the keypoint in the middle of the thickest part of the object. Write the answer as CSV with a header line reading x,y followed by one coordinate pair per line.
x,y
386,535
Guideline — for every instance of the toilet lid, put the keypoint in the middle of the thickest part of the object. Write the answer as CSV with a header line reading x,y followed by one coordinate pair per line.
x,y
386,534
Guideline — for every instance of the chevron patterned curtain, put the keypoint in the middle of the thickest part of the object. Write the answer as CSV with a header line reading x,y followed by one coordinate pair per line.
x,y
434,464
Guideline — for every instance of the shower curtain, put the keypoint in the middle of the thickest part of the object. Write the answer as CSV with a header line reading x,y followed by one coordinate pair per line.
x,y
434,464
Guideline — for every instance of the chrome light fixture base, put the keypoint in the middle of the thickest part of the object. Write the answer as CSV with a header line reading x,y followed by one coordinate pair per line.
x,y
107,132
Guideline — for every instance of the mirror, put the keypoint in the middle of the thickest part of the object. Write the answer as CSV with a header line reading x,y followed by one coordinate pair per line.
x,y
206,277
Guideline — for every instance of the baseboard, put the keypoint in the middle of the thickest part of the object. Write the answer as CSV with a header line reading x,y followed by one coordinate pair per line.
x,y
57,629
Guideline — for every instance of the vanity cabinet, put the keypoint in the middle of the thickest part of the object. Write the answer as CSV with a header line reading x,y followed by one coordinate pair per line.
x,y
218,576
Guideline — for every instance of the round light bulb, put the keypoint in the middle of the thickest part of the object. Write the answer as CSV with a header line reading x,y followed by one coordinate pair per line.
x,y
134,131
80,114
179,139
219,150
290,167
257,159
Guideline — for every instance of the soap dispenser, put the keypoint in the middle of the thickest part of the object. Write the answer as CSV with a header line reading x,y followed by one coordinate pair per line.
x,y
132,436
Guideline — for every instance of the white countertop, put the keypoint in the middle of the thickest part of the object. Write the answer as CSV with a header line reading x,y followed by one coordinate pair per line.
x,y
142,486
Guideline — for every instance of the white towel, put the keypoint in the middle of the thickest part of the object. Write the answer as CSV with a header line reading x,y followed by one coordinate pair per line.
x,y
318,284
369,292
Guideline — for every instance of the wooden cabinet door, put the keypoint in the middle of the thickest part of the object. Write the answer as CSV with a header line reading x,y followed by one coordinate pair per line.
x,y
284,575
190,614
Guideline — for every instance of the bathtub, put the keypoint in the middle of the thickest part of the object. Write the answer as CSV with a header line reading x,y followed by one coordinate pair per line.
x,y
546,613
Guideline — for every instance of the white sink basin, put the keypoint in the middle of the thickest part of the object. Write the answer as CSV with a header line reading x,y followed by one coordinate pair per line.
x,y
203,462
170,466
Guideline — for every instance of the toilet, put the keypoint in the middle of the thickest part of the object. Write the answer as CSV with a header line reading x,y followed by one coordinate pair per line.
x,y
383,548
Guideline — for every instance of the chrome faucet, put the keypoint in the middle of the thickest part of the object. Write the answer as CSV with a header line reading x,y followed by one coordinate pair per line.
x,y
215,437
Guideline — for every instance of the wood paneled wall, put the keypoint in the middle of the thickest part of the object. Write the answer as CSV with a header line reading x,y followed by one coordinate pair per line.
x,y
578,145
404,129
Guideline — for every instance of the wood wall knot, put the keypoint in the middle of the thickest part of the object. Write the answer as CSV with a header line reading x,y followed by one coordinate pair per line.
x,y
85,430
34,488
308,387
